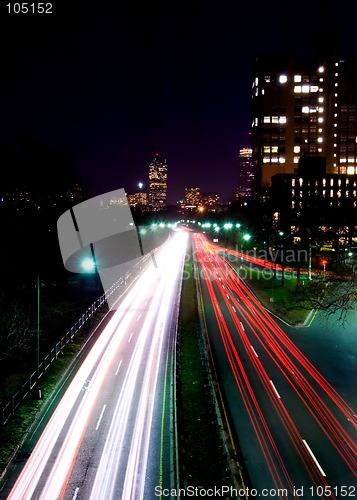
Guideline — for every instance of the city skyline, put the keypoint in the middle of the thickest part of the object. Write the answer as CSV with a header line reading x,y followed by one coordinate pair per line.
x,y
111,88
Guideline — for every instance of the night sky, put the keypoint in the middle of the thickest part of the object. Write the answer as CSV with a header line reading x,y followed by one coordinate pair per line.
x,y
109,84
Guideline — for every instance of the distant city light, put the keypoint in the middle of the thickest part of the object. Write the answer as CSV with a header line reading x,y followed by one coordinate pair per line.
x,y
140,184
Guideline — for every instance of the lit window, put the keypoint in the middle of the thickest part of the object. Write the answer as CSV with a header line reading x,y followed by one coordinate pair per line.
x,y
297,78
320,120
350,170
266,149
293,182
319,150
274,149
296,149
331,193
266,160
336,74
331,182
305,109
305,89
296,159
314,88
283,78
275,119
297,89
351,159
319,139
324,182
281,160
267,78
301,180
321,99
282,119
274,159
266,119
321,110
321,69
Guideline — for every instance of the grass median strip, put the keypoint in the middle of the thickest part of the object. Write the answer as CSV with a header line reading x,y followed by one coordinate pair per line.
x,y
202,461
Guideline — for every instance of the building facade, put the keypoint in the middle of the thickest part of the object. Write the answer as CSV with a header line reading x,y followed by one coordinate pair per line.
x,y
193,198
312,203
157,183
303,109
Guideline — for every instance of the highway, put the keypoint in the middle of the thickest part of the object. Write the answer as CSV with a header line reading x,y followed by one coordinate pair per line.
x,y
112,434
296,433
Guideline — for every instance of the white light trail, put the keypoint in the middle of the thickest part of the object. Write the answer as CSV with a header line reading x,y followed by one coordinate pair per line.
x,y
99,359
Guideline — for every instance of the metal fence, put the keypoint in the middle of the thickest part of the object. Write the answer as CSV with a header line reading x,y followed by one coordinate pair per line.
x,y
8,409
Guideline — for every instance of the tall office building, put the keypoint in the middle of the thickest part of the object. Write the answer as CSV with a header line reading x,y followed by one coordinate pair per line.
x,y
193,197
245,174
304,109
157,183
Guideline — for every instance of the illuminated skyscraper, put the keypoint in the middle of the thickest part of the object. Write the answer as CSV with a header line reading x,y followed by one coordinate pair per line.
x,y
245,174
193,197
304,108
157,183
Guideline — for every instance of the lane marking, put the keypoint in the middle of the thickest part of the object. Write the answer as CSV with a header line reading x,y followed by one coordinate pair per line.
x,y
275,389
241,324
117,370
139,317
132,333
100,417
75,493
255,352
314,458
234,309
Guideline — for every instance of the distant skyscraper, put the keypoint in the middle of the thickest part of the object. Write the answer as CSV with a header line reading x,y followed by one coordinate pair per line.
x,y
193,197
157,183
245,174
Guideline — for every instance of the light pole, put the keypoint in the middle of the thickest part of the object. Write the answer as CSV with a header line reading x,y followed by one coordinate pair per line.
x,y
39,395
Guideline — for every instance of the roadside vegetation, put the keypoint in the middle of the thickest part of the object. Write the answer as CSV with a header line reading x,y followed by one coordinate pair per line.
x,y
15,432
202,460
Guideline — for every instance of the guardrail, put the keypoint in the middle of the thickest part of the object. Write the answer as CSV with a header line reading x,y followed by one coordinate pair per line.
x,y
7,410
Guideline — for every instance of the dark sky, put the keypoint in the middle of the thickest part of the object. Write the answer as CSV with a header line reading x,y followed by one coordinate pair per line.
x,y
112,83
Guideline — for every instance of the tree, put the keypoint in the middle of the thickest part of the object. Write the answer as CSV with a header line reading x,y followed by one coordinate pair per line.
x,y
17,336
333,296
